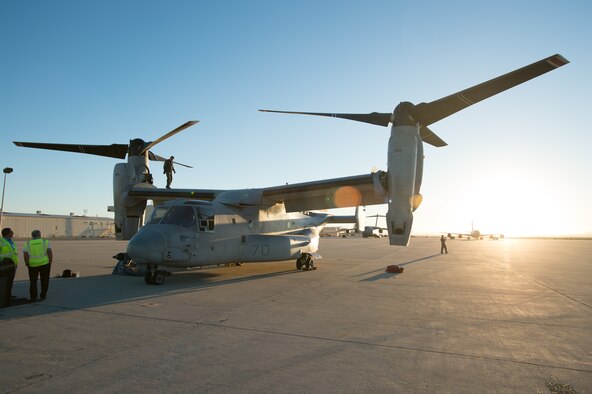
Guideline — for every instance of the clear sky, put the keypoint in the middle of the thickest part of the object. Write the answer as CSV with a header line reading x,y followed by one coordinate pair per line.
x,y
106,71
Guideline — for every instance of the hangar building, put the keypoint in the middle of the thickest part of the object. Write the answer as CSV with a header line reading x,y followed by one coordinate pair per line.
x,y
59,226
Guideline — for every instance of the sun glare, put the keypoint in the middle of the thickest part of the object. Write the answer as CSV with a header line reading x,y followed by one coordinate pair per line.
x,y
515,204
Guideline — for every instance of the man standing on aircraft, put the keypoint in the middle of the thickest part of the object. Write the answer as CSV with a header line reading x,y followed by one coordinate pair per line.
x,y
8,253
443,248
168,170
38,257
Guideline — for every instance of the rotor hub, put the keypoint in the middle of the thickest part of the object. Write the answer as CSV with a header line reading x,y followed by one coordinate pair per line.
x,y
402,114
136,147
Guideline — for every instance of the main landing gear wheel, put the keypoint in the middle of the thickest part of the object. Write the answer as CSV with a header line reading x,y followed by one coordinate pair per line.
x,y
154,276
305,262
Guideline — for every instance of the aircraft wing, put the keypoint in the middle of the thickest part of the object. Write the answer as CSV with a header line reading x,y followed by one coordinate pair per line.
x,y
325,194
341,219
151,193
330,193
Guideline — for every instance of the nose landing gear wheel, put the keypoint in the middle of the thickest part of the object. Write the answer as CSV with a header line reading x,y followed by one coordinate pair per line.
x,y
154,276
159,279
305,262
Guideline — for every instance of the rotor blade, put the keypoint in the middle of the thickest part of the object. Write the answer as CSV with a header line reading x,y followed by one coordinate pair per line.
x,y
118,151
380,119
181,164
428,113
429,137
170,134
376,118
155,157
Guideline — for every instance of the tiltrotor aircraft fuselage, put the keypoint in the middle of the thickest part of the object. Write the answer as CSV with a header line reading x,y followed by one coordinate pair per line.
x,y
197,227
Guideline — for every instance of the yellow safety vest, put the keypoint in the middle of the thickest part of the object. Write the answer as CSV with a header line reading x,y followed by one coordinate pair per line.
x,y
8,250
37,249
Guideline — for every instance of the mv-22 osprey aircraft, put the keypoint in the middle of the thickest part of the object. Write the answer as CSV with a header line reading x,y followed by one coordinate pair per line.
x,y
198,227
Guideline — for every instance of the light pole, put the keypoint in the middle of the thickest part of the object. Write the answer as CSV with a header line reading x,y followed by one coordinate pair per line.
x,y
7,170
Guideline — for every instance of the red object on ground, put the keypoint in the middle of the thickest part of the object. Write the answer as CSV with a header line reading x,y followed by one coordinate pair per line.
x,y
394,269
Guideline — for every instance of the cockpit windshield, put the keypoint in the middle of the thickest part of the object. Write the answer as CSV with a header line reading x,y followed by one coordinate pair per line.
x,y
187,216
180,215
157,215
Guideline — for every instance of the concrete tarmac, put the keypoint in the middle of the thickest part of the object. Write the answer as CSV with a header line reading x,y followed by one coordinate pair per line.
x,y
490,316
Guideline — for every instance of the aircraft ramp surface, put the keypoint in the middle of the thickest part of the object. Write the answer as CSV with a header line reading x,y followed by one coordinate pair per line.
x,y
489,316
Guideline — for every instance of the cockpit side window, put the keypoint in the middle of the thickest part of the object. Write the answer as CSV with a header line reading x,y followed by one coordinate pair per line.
x,y
157,215
180,215
206,220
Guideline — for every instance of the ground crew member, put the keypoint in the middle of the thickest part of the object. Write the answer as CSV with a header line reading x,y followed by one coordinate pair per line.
x,y
8,252
168,169
443,248
38,257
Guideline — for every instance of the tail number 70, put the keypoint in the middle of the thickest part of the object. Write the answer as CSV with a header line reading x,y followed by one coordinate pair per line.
x,y
260,249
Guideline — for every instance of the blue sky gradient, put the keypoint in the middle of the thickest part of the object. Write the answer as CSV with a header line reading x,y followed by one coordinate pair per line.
x,y
106,72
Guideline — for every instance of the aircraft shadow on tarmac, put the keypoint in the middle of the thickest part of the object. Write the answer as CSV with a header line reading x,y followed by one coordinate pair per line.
x,y
87,292
386,275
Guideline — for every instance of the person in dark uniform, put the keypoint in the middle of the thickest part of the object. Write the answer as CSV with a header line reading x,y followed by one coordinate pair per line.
x,y
443,248
168,169
9,256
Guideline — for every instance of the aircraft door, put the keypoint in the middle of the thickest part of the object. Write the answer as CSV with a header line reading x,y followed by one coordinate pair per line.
x,y
205,229
183,240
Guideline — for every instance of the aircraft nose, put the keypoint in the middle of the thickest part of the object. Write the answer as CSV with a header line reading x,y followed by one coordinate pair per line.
x,y
146,246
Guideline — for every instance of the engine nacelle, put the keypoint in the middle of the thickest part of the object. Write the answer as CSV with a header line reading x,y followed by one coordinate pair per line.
x,y
405,168
129,212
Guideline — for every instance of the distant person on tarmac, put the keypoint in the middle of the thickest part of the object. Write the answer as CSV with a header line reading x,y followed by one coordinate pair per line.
x,y
443,248
9,255
168,169
38,257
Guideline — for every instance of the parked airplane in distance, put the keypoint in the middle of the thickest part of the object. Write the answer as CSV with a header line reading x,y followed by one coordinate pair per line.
x,y
375,231
476,234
